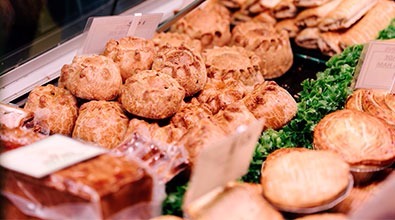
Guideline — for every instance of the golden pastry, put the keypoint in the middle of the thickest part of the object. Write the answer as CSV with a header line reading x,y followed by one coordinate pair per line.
x,y
273,47
272,103
176,40
101,122
190,114
91,77
152,94
289,26
295,178
233,62
209,24
324,216
53,106
184,65
132,54
360,138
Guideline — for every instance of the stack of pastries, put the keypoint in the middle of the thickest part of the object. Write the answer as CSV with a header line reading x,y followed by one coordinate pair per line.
x,y
327,25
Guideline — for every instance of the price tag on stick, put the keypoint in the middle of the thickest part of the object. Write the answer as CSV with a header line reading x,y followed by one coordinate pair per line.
x,y
99,30
378,68
223,161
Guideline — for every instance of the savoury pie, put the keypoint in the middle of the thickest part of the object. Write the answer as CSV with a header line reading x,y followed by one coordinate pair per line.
x,y
176,40
152,94
297,178
272,103
360,138
91,77
101,122
378,103
53,106
184,65
132,54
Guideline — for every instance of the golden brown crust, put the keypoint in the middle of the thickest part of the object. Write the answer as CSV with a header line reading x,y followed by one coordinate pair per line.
x,y
132,54
272,103
190,114
56,107
233,116
233,62
92,77
101,122
361,139
184,65
354,101
218,94
176,40
209,24
273,47
296,178
152,94
11,138
380,103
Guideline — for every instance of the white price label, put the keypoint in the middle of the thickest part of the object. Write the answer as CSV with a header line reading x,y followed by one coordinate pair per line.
x,y
48,155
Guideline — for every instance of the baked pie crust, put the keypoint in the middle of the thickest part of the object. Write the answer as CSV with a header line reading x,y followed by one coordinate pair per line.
x,y
360,138
298,178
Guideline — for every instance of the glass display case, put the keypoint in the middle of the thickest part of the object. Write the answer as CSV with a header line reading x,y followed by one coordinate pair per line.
x,y
34,57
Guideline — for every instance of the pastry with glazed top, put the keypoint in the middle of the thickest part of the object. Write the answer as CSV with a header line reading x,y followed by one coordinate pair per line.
x,y
184,65
308,38
152,94
233,116
218,94
233,4
272,103
311,17
209,24
233,62
101,187
297,178
289,26
234,201
91,77
132,54
102,123
360,138
190,114
378,103
346,14
56,107
176,40
272,47
285,9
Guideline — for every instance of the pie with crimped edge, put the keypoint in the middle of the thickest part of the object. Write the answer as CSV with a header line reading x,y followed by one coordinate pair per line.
x,y
360,138
298,178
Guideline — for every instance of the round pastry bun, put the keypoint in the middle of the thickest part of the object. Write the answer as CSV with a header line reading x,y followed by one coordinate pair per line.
x,y
271,102
53,107
152,94
101,122
163,39
360,138
294,179
92,77
184,65
233,62
132,54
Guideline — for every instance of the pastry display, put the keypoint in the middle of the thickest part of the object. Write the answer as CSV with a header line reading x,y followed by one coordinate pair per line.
x,y
152,94
245,200
120,184
308,38
294,179
176,40
289,25
237,63
360,138
91,77
132,54
209,24
184,65
273,47
218,94
311,17
272,103
102,123
346,14
53,106
378,103
285,9
190,114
